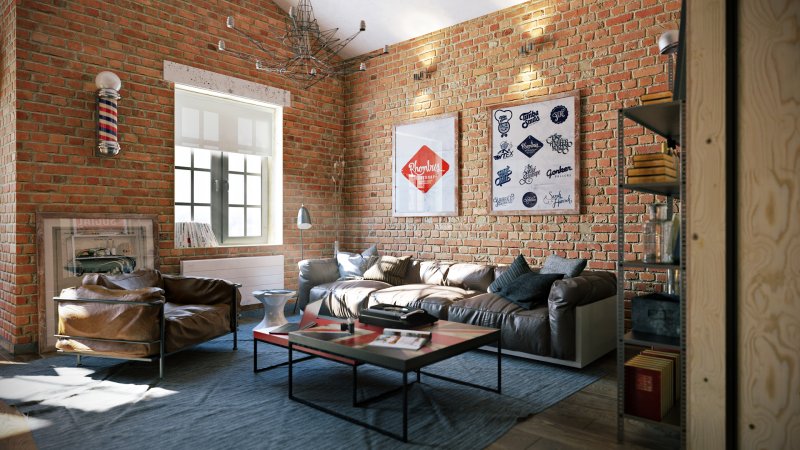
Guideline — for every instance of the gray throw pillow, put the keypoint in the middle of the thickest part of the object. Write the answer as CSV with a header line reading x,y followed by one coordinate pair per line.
x,y
569,267
517,268
353,265
389,269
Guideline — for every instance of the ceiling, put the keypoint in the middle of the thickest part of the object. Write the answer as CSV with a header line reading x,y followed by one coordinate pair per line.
x,y
393,21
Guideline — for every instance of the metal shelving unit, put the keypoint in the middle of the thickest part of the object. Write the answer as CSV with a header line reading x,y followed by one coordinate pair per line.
x,y
668,121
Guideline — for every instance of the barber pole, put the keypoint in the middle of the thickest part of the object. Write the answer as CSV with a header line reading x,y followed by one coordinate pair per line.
x,y
109,85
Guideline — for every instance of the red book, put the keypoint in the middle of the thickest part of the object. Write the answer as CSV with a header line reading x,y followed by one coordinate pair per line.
x,y
648,388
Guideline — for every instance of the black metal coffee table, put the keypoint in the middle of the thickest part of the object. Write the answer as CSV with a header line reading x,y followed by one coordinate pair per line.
x,y
448,339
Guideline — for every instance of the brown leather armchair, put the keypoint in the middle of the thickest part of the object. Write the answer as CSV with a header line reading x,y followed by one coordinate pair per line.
x,y
144,315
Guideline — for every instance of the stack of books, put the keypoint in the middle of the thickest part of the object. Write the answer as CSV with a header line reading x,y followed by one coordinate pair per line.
x,y
652,384
653,168
658,97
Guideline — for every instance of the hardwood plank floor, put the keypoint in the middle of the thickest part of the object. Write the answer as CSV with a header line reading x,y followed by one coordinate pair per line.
x,y
585,420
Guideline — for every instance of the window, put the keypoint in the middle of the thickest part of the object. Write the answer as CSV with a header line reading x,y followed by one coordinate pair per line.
x,y
227,169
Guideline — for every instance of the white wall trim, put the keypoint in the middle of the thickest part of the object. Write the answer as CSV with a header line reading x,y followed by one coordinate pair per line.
x,y
192,76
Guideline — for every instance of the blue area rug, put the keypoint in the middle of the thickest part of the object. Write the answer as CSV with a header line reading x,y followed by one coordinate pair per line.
x,y
210,398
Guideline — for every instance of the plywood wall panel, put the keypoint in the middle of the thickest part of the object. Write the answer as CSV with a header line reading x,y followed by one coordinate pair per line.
x,y
769,218
705,303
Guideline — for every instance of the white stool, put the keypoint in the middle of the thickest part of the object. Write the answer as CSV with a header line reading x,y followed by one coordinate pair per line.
x,y
274,301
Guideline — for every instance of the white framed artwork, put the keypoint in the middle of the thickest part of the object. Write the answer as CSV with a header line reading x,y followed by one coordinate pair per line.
x,y
425,167
535,156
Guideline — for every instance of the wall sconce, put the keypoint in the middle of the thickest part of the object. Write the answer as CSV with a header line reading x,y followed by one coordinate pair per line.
x,y
422,75
526,49
108,85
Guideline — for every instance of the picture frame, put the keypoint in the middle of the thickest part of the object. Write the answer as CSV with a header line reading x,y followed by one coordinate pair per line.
x,y
425,167
73,245
534,156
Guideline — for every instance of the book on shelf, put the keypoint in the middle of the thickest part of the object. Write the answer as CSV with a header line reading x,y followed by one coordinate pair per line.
x,y
640,171
655,163
658,97
673,356
642,179
403,339
648,387
665,157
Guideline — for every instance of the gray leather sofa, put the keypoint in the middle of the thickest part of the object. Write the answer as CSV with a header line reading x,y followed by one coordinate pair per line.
x,y
574,327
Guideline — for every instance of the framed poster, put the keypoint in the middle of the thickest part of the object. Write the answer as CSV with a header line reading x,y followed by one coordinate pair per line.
x,y
534,156
425,167
73,245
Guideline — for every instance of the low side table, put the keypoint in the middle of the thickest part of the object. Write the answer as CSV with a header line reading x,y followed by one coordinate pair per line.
x,y
274,300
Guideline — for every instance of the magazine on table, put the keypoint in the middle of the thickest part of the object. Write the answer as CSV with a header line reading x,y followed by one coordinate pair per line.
x,y
404,339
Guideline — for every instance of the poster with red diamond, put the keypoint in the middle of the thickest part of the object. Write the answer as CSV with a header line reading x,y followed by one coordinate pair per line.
x,y
425,167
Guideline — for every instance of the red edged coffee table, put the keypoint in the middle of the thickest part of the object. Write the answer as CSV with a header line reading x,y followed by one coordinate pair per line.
x,y
448,339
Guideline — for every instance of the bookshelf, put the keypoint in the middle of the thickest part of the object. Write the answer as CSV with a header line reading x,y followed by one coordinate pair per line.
x,y
668,121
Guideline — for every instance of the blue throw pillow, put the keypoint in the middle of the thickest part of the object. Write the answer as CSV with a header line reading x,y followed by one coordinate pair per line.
x,y
569,267
529,289
517,268
353,265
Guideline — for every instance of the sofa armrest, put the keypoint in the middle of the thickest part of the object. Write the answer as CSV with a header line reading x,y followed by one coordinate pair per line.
x,y
314,272
565,296
135,316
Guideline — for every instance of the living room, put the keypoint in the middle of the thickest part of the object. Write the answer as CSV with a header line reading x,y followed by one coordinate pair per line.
x,y
337,151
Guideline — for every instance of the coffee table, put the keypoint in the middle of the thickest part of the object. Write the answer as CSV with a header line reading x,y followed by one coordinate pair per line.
x,y
448,339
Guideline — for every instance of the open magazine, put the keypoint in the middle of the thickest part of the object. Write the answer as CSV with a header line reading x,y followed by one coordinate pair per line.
x,y
404,339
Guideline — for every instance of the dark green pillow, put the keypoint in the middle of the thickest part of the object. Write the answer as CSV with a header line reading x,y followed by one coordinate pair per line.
x,y
529,289
517,268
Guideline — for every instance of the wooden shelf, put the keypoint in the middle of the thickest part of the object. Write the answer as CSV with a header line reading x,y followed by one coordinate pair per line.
x,y
671,420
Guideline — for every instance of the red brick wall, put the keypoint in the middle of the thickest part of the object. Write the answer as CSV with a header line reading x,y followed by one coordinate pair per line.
x,y
61,46
8,286
606,50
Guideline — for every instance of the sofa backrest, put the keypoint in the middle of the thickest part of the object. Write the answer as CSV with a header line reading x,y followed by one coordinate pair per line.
x,y
143,278
470,276
199,290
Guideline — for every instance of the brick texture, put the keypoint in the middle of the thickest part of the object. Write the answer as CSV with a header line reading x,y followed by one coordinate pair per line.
x,y
52,50
60,47
606,50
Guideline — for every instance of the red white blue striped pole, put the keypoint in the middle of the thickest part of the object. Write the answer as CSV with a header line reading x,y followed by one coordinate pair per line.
x,y
108,84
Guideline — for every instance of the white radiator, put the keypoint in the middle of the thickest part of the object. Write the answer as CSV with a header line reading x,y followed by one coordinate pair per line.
x,y
253,273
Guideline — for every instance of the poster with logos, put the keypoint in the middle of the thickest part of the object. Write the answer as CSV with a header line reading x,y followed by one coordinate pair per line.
x,y
534,156
425,167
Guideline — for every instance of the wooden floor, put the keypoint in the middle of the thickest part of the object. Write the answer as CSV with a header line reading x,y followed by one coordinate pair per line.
x,y
585,420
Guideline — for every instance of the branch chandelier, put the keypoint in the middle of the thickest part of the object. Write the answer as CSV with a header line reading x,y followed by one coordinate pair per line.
x,y
314,52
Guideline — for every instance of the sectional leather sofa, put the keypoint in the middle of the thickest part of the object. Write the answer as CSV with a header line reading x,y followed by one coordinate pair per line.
x,y
573,327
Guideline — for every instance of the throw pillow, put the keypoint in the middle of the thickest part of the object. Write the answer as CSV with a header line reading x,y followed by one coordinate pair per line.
x,y
529,289
389,269
353,265
517,268
569,267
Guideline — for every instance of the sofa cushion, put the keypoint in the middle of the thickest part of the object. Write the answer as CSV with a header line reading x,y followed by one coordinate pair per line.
x,y
434,299
355,264
569,267
389,269
517,268
433,272
529,289
135,280
187,325
345,298
476,277
520,329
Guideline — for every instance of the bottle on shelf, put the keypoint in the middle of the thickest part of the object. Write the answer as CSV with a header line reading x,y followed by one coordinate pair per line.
x,y
654,233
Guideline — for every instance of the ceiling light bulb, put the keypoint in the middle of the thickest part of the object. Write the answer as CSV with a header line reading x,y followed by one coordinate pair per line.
x,y
363,26
362,67
313,72
230,23
107,80
221,45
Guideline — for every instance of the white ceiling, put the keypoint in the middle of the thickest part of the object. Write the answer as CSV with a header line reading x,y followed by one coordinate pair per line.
x,y
393,21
